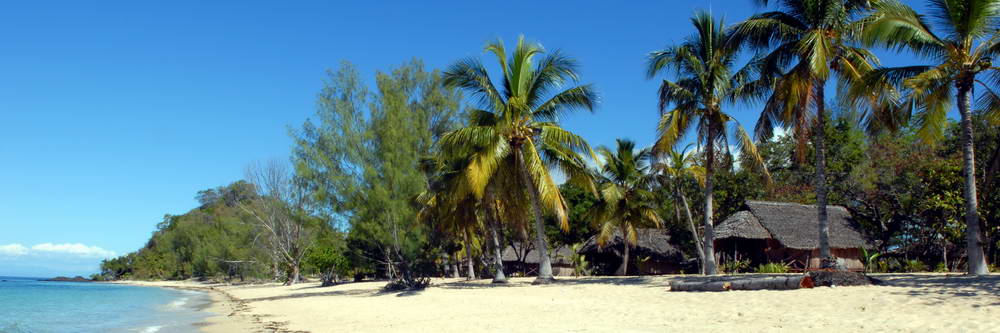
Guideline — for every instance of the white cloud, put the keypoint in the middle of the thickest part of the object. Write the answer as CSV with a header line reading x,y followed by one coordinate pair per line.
x,y
76,249
13,250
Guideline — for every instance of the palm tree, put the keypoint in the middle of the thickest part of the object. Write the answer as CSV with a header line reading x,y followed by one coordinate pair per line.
x,y
445,206
703,81
804,41
626,202
672,172
962,42
514,138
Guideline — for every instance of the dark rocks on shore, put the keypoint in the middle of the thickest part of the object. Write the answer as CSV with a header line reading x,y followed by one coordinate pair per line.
x,y
69,279
841,278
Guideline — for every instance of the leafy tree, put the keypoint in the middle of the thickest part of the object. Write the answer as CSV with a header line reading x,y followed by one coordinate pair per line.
x,y
578,205
361,163
328,258
963,42
703,81
514,138
794,182
626,202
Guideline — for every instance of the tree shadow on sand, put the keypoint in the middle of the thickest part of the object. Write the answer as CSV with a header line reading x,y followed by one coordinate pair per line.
x,y
352,292
313,294
940,288
644,281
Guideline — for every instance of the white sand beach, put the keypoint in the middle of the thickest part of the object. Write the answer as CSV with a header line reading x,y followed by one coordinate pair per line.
x,y
905,303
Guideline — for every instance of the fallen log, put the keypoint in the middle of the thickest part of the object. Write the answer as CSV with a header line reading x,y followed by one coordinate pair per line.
x,y
774,283
700,286
769,283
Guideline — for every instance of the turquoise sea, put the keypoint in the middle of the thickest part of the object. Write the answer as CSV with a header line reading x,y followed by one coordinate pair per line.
x,y
29,305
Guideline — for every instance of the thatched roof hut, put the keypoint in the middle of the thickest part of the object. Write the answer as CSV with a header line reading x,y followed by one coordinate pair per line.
x,y
793,225
654,245
767,227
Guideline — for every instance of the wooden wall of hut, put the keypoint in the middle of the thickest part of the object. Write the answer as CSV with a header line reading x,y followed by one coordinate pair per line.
x,y
762,251
850,258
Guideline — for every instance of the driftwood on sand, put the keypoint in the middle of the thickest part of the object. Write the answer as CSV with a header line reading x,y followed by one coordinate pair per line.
x,y
761,283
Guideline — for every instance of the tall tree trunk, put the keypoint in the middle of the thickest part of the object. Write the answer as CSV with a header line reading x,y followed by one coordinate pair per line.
x,y
973,238
468,257
541,245
694,233
454,266
623,269
389,271
709,262
944,253
826,260
293,275
492,219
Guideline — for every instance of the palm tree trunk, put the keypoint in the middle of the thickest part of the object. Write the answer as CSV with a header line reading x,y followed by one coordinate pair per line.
x,y
709,262
541,245
468,257
973,238
623,269
694,233
499,276
454,266
826,261
492,220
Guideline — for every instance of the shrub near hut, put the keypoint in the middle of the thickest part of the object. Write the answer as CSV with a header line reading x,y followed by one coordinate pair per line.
x,y
773,268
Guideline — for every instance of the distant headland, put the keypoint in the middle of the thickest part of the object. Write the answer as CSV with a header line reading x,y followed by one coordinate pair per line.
x,y
69,279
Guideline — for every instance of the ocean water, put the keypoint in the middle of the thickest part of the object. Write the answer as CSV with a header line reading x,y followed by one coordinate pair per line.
x,y
33,306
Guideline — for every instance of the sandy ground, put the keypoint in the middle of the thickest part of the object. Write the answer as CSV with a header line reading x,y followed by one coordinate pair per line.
x,y
905,303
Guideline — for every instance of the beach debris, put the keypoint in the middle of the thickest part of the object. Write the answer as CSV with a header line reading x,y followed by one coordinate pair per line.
x,y
841,279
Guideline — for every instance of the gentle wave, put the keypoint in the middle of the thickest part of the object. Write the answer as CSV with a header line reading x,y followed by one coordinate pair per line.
x,y
152,329
178,304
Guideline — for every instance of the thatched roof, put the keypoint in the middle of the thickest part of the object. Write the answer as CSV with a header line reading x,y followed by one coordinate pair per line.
x,y
793,225
561,255
650,242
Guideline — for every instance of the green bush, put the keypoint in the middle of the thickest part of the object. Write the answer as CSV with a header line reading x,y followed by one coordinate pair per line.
x,y
881,266
330,262
913,265
772,267
581,267
735,266
940,268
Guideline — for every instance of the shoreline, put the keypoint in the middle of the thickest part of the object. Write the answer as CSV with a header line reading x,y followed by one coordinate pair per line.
x,y
227,313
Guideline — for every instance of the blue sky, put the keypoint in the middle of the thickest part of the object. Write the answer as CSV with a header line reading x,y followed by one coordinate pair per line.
x,y
115,113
